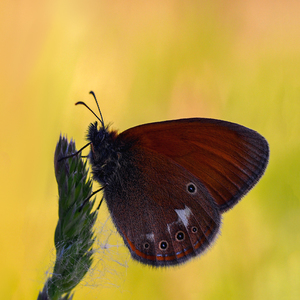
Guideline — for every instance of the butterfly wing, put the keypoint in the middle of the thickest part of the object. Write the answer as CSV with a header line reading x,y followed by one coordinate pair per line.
x,y
227,158
163,212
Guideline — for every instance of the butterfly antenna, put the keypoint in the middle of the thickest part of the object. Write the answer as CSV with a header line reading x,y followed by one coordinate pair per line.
x,y
82,103
102,122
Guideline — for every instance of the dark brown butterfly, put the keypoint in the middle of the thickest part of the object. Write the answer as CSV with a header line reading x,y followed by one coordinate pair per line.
x,y
167,183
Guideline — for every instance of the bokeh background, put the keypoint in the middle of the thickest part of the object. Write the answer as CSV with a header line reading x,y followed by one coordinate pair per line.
x,y
150,61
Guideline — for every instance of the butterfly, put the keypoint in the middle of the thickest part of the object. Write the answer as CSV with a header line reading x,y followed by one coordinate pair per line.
x,y
166,184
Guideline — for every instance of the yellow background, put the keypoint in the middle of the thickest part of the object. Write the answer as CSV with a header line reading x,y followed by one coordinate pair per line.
x,y
150,61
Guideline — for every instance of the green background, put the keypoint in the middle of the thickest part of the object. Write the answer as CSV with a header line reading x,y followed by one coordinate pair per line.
x,y
150,61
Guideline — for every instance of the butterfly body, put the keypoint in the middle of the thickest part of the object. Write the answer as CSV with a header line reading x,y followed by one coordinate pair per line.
x,y
167,183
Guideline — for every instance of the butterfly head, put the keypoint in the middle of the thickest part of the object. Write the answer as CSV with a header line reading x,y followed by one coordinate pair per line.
x,y
97,136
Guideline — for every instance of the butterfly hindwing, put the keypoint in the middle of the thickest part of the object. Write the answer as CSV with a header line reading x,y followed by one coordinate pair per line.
x,y
161,222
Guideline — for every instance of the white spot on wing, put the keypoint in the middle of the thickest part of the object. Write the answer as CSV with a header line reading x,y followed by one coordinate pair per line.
x,y
184,215
169,227
150,236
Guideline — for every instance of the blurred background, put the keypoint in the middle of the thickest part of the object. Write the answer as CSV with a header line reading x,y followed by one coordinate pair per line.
x,y
150,61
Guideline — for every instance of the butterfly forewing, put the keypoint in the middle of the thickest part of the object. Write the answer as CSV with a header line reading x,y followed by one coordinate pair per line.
x,y
227,158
